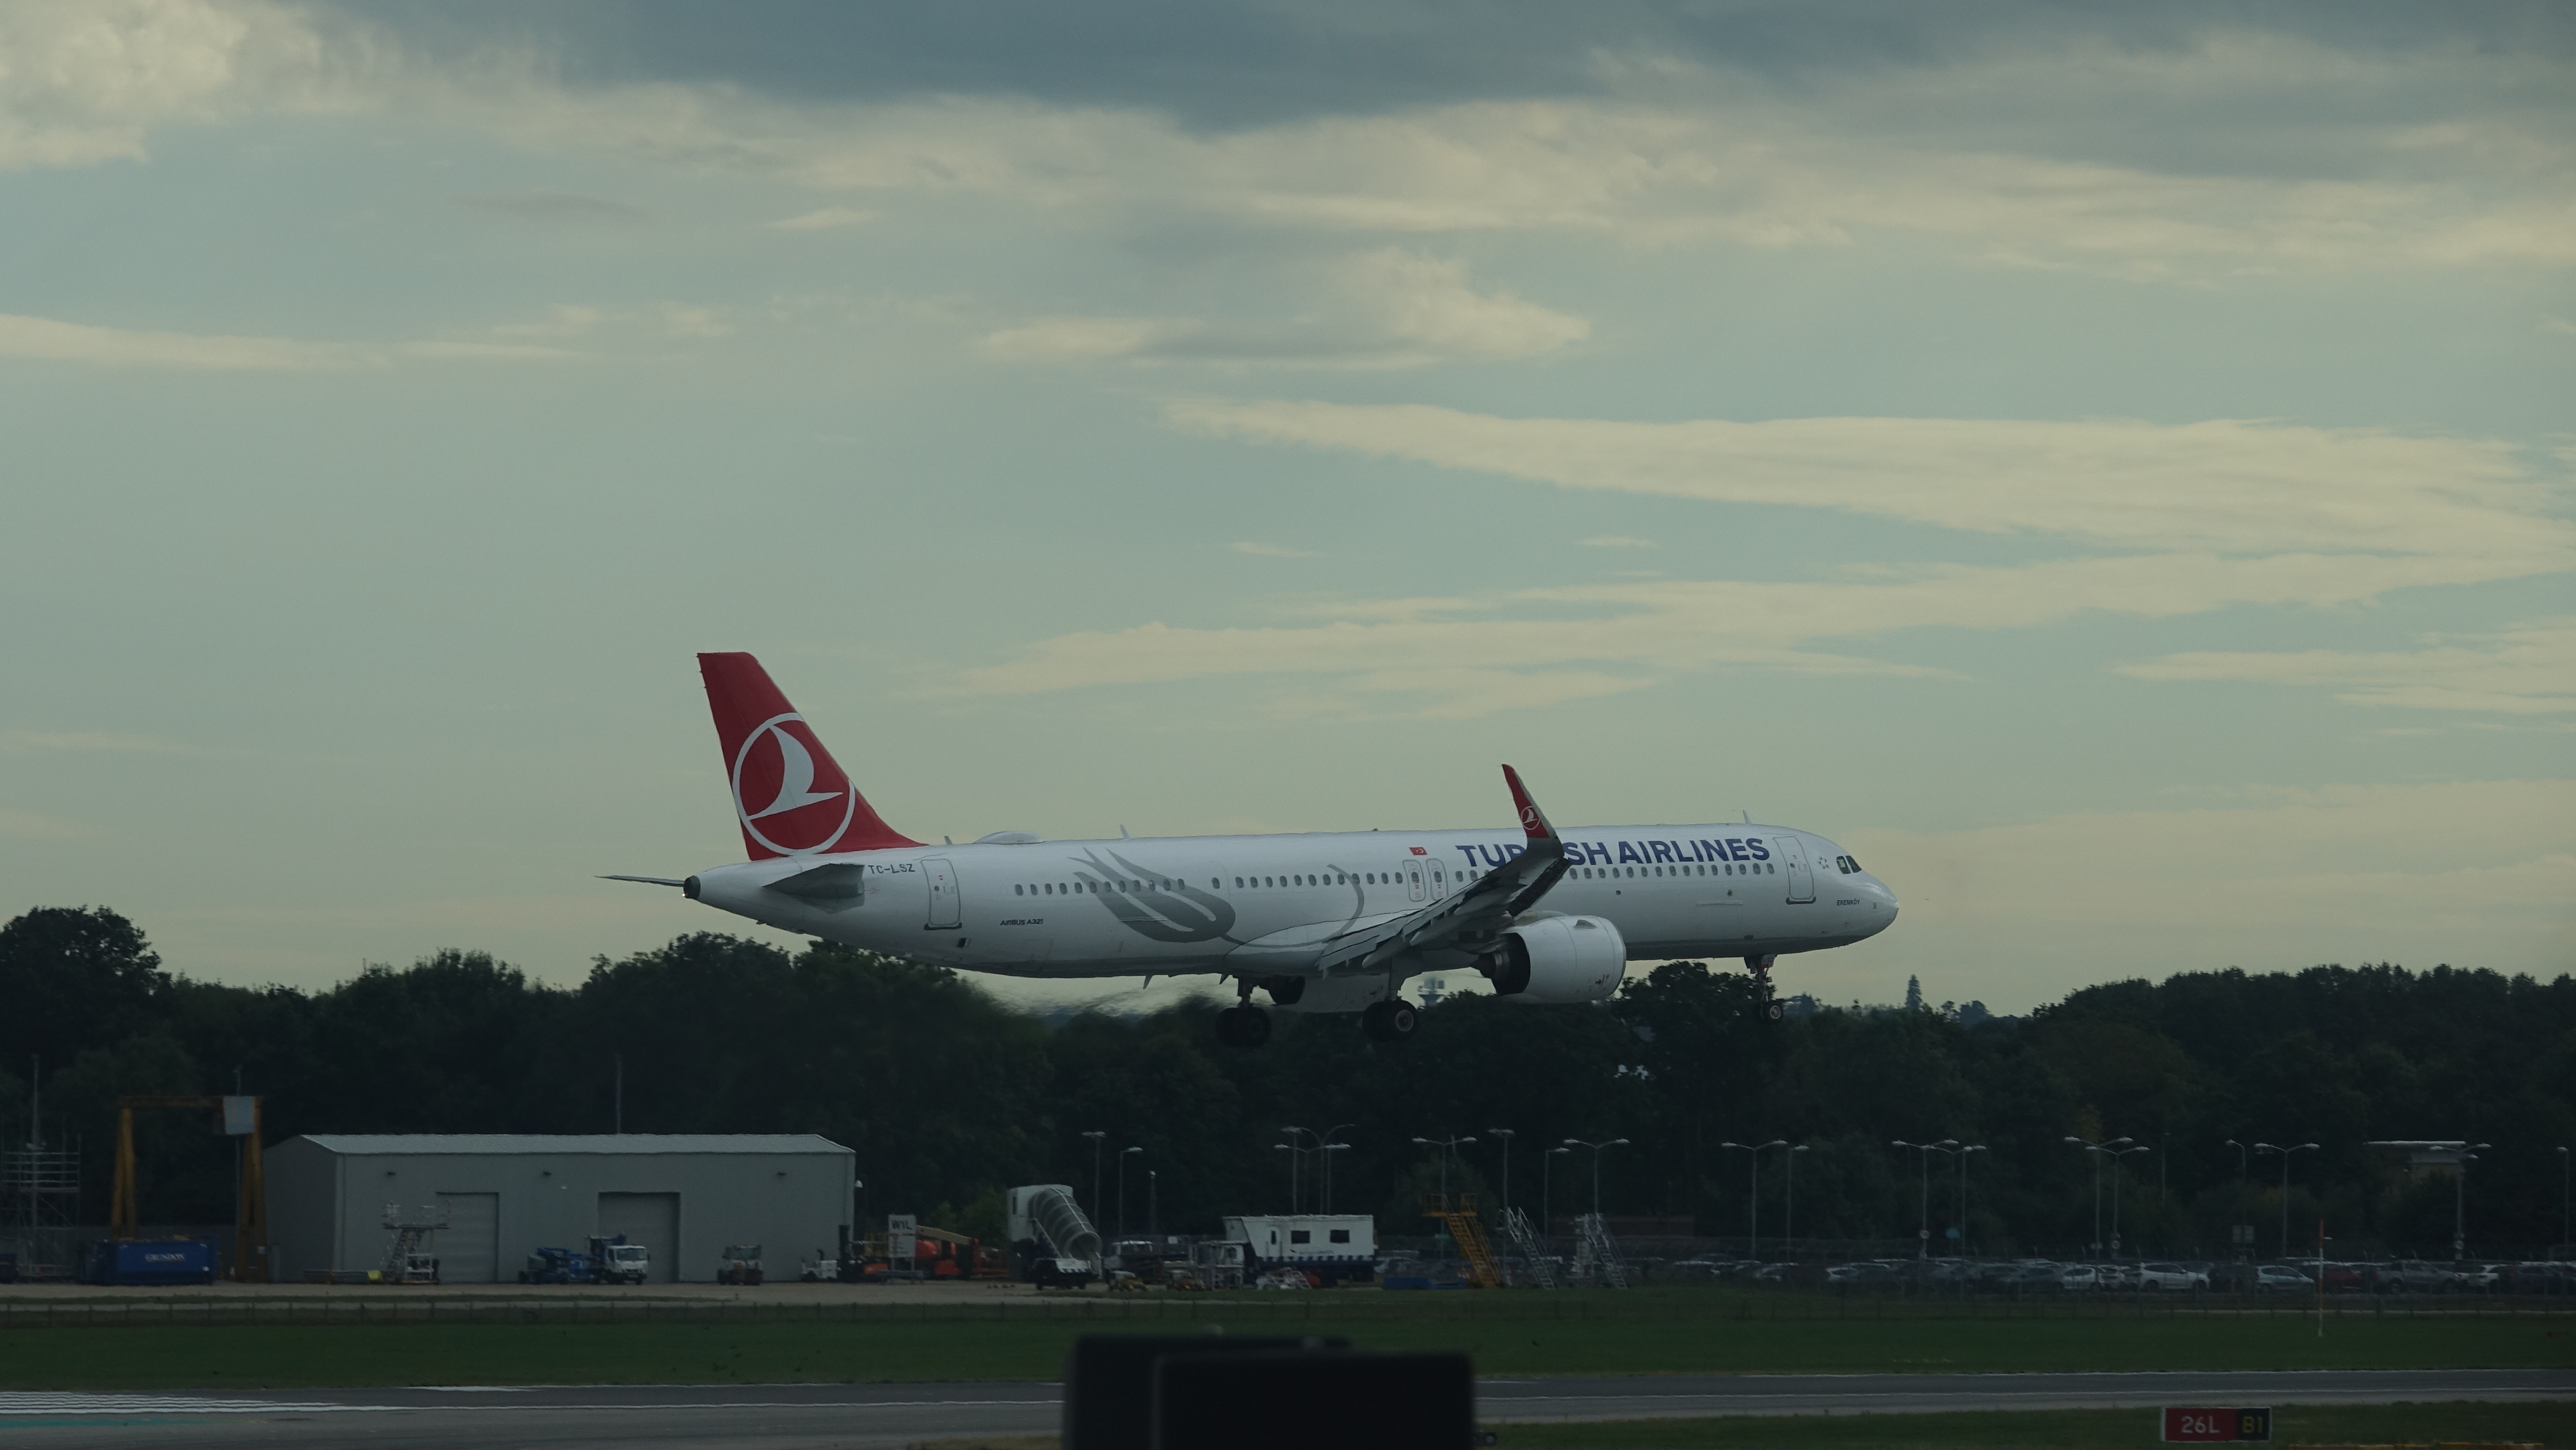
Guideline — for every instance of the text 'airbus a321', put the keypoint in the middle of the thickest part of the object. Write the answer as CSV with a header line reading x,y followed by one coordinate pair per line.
x,y
1327,922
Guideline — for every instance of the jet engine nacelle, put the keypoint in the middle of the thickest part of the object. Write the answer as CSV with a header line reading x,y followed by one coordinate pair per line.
x,y
1558,959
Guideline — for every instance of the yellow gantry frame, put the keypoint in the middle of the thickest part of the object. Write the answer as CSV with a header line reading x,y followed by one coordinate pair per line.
x,y
250,1211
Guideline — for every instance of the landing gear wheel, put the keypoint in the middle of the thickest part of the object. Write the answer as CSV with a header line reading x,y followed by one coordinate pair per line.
x,y
1242,1027
1760,967
1390,1021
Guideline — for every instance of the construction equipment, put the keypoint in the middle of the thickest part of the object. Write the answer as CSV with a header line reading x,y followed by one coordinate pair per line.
x,y
740,1264
1542,1264
615,1261
559,1266
1457,1213
1596,1254
240,1119
408,1259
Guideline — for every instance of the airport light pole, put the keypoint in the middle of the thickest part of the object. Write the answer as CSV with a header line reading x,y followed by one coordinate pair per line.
x,y
1154,1207
1446,1146
1789,1211
2240,1196
1924,1152
2563,1203
1753,1192
2285,1194
1122,1188
1291,1150
1506,1134
2459,1202
1961,1154
1596,1165
1096,1138
2105,1146
2115,1193
1546,1185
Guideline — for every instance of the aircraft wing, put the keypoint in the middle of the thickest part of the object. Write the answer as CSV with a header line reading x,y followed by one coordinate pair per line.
x,y
1471,915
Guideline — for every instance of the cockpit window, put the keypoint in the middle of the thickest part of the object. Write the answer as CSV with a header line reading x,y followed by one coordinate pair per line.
x,y
1853,862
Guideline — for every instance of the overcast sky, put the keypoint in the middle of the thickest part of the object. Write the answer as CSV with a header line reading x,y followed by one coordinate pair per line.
x,y
2109,470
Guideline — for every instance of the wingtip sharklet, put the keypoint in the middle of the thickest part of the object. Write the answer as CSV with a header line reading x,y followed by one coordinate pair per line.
x,y
1534,823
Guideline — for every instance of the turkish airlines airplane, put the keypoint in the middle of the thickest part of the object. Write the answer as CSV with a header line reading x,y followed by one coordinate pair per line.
x,y
1328,922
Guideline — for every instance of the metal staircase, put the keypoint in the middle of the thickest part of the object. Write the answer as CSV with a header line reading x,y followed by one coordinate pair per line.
x,y
1457,1212
1599,1254
1542,1267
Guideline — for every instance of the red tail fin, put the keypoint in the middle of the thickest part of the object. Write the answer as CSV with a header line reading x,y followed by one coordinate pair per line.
x,y
790,796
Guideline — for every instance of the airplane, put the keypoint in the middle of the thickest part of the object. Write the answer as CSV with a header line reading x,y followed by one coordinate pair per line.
x,y
1319,923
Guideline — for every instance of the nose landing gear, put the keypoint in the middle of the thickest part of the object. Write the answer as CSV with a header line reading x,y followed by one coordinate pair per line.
x,y
1760,967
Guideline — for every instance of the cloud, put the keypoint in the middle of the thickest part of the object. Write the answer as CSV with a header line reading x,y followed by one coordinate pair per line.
x,y
2475,873
1383,309
2224,485
1274,551
2529,669
27,825
557,208
47,339
1619,541
82,83
90,741
829,218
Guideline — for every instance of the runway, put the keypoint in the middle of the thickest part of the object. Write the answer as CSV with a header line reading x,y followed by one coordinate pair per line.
x,y
775,1417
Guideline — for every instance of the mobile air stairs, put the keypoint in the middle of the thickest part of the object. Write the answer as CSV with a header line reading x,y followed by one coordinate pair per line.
x,y
1542,1266
1595,1254
1457,1213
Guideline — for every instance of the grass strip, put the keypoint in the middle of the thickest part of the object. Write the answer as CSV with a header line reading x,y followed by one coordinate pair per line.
x,y
2552,1424
317,1356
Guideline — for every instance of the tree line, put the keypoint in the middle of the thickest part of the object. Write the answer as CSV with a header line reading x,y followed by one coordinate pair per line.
x,y
949,1096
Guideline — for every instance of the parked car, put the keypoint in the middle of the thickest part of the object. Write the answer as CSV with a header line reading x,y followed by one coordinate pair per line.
x,y
2476,1276
2281,1278
2031,1276
2406,1276
2169,1276
2079,1278
1865,1272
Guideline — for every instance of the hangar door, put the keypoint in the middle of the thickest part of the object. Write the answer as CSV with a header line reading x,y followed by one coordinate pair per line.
x,y
469,1248
650,1219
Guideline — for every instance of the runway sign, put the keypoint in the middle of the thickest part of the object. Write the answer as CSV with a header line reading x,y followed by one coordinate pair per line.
x,y
2200,1426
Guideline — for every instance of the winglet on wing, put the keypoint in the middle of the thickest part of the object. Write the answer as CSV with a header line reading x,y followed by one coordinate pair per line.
x,y
1533,820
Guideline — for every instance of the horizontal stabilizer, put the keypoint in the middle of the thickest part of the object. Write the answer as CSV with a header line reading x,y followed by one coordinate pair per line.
x,y
650,880
838,881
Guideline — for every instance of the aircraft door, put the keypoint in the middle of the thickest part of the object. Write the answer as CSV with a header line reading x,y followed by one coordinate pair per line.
x,y
1416,872
941,874
1802,882
1438,880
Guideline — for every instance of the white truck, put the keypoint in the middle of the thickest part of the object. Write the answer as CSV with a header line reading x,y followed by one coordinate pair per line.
x,y
1333,1247
1052,1240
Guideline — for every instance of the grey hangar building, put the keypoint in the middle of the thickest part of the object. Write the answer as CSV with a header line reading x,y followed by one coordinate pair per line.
x,y
683,1196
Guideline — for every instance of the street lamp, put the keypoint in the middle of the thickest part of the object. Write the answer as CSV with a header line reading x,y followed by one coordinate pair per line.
x,y
1328,1150
1506,1134
2240,1200
1122,1188
1961,1154
1753,1193
1923,1152
1096,1138
1789,1212
2285,1193
2460,1200
1291,1150
1296,1198
1154,1207
2563,1220
2115,1193
1546,1184
1596,1165
2105,1146
1446,1146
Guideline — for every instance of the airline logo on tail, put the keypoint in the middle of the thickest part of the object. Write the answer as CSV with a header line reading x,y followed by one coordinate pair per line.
x,y
776,765
789,794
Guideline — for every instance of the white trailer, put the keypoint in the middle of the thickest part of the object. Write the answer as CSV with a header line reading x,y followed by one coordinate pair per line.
x,y
1334,1247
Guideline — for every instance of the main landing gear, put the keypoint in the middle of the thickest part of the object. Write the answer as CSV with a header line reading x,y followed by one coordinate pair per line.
x,y
1242,1025
1761,968
1390,1021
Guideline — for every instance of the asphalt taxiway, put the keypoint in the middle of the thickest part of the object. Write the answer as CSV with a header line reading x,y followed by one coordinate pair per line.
x,y
774,1417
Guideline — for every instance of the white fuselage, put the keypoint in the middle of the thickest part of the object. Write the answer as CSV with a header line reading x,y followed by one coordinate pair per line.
x,y
1269,905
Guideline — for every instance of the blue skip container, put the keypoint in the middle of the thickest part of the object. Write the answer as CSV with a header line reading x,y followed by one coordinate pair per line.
x,y
149,1261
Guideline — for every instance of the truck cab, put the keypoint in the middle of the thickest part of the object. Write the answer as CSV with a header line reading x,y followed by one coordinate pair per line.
x,y
616,1261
